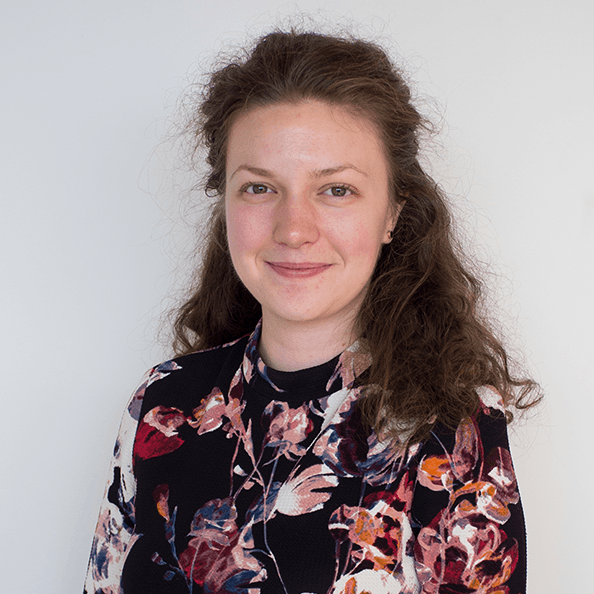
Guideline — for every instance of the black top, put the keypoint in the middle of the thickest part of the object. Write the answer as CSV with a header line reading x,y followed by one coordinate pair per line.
x,y
229,476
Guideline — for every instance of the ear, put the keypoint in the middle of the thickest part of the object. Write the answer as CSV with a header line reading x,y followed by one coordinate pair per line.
x,y
392,220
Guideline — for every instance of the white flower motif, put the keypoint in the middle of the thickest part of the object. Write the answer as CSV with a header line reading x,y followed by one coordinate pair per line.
x,y
368,580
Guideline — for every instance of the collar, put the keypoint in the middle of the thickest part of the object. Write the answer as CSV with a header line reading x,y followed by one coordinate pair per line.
x,y
339,373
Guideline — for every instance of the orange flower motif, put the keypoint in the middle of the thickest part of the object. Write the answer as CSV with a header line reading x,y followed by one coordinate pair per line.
x,y
435,473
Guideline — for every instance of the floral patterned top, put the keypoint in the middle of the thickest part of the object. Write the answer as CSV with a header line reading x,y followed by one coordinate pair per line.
x,y
231,477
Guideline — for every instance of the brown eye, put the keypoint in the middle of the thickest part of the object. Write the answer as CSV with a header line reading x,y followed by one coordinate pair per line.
x,y
338,191
257,189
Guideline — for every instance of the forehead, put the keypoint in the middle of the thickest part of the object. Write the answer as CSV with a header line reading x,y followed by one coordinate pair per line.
x,y
309,128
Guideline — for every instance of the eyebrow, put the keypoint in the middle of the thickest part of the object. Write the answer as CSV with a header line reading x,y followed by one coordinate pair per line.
x,y
315,174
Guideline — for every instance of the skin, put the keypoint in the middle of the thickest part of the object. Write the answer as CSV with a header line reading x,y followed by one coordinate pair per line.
x,y
307,211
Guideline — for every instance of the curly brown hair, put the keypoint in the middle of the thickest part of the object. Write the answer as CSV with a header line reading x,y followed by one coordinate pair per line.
x,y
431,349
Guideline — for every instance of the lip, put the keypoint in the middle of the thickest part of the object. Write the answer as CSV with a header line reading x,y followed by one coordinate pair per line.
x,y
298,270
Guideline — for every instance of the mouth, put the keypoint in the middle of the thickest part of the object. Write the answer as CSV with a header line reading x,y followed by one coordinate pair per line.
x,y
298,270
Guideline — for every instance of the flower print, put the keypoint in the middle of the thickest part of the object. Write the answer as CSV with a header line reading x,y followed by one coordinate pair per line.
x,y
218,556
307,492
108,551
369,581
379,530
253,363
212,529
496,488
249,369
499,469
235,407
380,461
157,432
435,473
464,546
492,484
286,427
466,450
341,446
161,371
302,494
263,508
209,415
235,569
161,498
440,472
153,375
351,364
233,412
466,550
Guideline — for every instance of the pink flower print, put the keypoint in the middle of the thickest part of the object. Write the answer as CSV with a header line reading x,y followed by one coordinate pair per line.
x,y
379,530
235,407
288,427
352,363
464,550
464,546
438,473
212,529
218,556
248,369
499,470
235,569
496,488
209,415
466,450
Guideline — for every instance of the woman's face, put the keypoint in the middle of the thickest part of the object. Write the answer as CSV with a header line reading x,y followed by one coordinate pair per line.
x,y
307,210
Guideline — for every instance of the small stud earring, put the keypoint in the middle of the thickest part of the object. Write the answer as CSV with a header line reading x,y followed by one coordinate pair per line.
x,y
390,234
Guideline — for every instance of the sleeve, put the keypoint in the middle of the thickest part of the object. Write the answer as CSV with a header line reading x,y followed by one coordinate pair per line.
x,y
466,509
115,532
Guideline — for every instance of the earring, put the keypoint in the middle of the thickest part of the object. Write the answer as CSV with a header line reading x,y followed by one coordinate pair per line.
x,y
390,234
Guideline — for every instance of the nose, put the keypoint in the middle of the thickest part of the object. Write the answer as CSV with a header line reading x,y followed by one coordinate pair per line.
x,y
295,221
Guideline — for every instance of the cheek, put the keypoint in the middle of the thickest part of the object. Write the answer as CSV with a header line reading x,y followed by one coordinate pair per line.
x,y
363,241
245,232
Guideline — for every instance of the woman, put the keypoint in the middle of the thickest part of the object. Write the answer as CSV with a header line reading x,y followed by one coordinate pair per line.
x,y
335,420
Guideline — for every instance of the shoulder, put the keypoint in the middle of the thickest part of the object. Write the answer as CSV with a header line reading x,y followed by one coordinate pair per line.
x,y
472,460
488,423
185,380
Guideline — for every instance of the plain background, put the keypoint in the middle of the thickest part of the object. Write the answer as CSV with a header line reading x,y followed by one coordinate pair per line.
x,y
91,235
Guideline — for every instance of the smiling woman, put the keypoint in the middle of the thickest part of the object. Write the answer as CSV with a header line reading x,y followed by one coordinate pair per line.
x,y
335,420
304,236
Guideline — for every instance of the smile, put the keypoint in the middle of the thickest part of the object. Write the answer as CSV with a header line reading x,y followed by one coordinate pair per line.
x,y
301,270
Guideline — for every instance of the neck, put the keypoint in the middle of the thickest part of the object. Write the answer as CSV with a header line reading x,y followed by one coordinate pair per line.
x,y
290,346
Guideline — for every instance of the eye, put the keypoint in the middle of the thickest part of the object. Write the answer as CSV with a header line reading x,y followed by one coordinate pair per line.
x,y
255,189
339,191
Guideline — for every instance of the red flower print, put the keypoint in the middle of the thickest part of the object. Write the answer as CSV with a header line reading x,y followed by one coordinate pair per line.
x,y
218,556
157,432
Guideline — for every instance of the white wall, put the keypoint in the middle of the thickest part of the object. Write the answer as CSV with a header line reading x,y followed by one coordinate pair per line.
x,y
86,221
